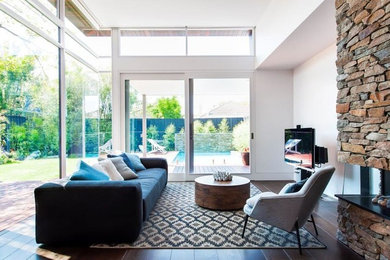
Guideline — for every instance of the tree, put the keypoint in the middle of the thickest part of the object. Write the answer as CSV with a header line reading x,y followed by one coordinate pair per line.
x,y
3,127
209,127
198,127
15,71
165,108
169,137
241,136
105,110
151,133
75,82
27,92
223,126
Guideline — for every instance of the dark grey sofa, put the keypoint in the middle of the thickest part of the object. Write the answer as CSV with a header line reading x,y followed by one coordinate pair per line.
x,y
86,212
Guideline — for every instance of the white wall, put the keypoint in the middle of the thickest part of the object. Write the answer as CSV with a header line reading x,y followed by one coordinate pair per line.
x,y
278,21
274,113
315,95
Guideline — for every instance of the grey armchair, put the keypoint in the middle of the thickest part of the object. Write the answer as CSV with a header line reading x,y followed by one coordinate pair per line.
x,y
289,211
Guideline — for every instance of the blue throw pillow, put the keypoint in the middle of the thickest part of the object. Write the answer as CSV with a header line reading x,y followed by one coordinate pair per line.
x,y
131,160
88,173
296,186
125,159
135,162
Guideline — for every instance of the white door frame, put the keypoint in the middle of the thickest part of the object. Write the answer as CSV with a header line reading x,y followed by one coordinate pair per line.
x,y
153,76
128,75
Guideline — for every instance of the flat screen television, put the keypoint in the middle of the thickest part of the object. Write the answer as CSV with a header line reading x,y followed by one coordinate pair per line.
x,y
299,147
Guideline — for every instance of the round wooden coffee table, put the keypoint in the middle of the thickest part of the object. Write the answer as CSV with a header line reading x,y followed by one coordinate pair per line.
x,y
222,195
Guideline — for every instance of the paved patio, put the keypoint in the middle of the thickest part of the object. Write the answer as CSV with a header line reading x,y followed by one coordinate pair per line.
x,y
16,202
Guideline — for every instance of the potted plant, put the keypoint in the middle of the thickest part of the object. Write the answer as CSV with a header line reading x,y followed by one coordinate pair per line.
x,y
245,156
241,140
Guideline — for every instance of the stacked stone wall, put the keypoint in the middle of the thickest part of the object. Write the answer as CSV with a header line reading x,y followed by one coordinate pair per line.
x,y
363,82
364,232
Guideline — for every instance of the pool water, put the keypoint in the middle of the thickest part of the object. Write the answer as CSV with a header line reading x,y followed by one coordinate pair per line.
x,y
180,157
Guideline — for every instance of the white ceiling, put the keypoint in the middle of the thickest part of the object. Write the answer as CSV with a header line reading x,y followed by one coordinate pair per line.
x,y
316,33
176,13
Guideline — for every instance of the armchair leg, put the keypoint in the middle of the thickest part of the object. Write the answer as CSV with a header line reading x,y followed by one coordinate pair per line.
x,y
298,238
246,221
314,224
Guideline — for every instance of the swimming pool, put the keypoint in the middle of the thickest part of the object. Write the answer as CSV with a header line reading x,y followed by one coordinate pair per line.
x,y
180,157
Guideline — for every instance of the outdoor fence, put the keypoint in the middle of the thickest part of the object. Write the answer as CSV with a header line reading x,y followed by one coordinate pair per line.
x,y
206,142
162,124
203,142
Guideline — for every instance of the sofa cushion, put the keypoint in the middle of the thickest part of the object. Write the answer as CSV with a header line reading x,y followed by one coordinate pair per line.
x,y
150,193
111,170
132,161
124,157
122,168
152,184
158,174
88,173
135,162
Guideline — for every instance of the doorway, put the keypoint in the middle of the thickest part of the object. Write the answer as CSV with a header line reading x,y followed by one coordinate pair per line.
x,y
199,125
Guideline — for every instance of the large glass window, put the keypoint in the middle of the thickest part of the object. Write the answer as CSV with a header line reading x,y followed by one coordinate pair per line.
x,y
29,90
219,42
181,42
99,41
105,113
76,48
29,115
34,17
153,42
82,113
51,5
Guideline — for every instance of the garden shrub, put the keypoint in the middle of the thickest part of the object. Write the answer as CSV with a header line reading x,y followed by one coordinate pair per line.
x,y
241,136
209,127
207,142
169,137
223,126
151,133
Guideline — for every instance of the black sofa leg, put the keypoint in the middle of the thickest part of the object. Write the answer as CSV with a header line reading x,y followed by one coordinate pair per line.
x,y
246,221
314,224
298,238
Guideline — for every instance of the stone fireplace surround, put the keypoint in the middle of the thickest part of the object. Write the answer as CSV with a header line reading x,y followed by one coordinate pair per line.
x,y
365,232
363,110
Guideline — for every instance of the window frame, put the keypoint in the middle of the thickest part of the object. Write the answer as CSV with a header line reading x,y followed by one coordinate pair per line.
x,y
252,40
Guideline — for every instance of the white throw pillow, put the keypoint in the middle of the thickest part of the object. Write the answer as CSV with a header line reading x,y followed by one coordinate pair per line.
x,y
98,167
110,169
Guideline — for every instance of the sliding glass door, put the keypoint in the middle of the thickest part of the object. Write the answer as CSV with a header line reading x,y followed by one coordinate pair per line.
x,y
220,125
216,111
155,122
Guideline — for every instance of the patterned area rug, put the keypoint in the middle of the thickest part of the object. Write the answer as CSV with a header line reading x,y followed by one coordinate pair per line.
x,y
177,222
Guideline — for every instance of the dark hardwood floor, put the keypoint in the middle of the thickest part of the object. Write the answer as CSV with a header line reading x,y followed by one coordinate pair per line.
x,y
21,245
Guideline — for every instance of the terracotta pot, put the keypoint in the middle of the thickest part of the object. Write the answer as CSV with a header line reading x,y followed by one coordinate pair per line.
x,y
245,158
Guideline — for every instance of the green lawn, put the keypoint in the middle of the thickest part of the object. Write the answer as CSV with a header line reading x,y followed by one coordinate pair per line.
x,y
41,169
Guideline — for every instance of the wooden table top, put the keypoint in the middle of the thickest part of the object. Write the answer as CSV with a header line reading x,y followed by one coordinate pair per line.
x,y
209,180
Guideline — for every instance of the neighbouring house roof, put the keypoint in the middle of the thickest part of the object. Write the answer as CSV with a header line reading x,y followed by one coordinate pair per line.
x,y
228,110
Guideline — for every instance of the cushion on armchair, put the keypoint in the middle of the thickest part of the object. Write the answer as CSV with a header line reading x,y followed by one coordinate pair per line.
x,y
251,202
296,186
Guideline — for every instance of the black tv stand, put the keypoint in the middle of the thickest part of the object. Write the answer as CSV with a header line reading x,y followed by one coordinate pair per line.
x,y
301,174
